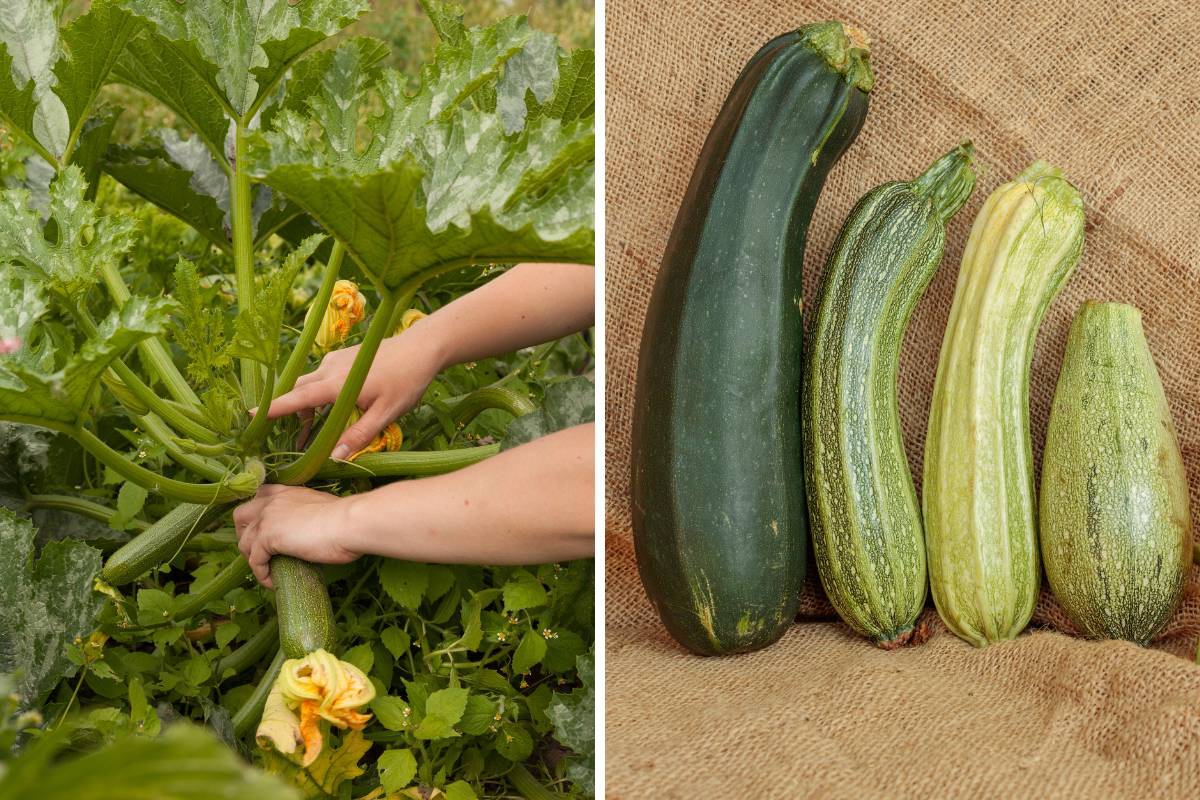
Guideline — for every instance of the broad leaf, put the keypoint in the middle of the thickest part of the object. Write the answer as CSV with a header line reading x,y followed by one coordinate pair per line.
x,y
438,183
70,265
575,95
567,403
447,19
257,328
49,79
533,70
574,718
185,763
43,606
28,392
181,177
238,49
152,173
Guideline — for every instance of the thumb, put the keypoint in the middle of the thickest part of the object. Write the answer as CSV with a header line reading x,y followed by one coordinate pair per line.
x,y
360,434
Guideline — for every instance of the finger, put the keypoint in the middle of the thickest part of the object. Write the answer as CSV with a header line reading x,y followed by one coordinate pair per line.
x,y
360,434
245,539
268,490
303,398
260,563
309,377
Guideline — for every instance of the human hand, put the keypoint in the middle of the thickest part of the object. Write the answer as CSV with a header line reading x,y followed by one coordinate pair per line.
x,y
290,520
399,375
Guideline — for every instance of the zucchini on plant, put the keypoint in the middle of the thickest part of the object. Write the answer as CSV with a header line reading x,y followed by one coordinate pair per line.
x,y
487,158
862,508
718,508
978,493
1116,528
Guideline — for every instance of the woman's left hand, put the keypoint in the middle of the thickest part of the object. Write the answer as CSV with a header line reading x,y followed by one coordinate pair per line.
x,y
290,520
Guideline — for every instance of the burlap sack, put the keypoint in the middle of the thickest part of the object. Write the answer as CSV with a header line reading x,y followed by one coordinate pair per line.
x,y
1104,91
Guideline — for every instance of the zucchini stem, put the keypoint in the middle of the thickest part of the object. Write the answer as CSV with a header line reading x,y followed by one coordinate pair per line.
x,y
305,467
298,358
242,214
78,505
408,463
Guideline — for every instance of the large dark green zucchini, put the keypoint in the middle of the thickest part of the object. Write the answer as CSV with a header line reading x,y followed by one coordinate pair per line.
x,y
1115,524
862,508
303,605
718,501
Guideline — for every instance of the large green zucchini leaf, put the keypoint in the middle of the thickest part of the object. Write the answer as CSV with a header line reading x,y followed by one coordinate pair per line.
x,y
44,606
181,177
438,180
30,390
210,60
69,265
49,78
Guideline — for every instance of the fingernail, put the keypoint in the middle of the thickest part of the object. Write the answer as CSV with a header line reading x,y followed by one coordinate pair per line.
x,y
252,411
341,451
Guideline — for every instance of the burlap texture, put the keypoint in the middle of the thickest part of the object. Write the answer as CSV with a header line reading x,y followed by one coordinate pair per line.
x,y
1102,90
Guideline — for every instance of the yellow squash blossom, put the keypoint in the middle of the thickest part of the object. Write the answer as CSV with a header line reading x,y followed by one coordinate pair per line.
x,y
408,319
308,690
346,308
389,439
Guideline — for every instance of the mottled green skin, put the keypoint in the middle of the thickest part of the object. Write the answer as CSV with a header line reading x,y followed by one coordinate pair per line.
x,y
158,543
304,609
717,485
1116,527
862,508
978,492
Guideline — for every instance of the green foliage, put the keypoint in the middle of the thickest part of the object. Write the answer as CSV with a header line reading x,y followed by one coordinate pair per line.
x,y
448,171
574,718
185,763
44,606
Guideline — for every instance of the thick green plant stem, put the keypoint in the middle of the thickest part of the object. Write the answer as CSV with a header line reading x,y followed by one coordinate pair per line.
x,y
167,411
79,505
408,463
234,574
487,397
305,467
201,465
192,446
242,214
252,651
251,711
200,493
153,352
257,429
299,356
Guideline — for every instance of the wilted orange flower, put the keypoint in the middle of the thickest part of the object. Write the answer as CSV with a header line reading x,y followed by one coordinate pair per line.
x,y
319,687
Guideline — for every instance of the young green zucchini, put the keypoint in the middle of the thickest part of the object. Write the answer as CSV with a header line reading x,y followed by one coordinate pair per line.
x,y
1116,527
718,510
980,526
158,543
303,605
862,508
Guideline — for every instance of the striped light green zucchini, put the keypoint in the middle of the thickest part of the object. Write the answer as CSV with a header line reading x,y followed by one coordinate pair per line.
x,y
980,525
1116,527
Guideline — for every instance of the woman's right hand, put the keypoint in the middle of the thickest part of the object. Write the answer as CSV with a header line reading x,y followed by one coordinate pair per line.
x,y
403,368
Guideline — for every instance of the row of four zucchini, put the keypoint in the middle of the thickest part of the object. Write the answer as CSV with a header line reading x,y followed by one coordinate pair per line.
x,y
720,528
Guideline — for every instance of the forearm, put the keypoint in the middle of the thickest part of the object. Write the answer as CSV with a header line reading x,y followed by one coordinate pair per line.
x,y
532,504
528,305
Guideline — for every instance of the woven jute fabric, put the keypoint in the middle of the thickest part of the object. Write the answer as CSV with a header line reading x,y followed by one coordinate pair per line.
x,y
1105,91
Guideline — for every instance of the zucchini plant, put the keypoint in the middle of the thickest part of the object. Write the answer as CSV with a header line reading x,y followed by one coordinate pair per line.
x,y
298,159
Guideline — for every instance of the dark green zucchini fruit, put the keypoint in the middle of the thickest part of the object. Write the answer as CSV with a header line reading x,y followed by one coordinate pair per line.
x,y
717,483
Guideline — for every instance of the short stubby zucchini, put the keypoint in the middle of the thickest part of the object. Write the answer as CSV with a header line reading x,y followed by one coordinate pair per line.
x,y
1116,528
717,483
978,492
862,508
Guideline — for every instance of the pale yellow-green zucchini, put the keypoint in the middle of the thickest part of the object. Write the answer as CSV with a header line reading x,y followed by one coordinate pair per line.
x,y
1115,524
978,494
